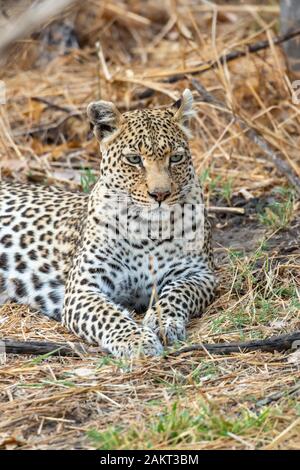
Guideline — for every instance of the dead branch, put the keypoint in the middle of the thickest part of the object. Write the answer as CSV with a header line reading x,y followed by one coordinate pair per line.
x,y
276,158
30,21
224,59
55,126
38,348
290,392
226,210
64,109
275,343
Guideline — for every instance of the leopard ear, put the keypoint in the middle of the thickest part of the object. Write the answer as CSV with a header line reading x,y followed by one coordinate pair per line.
x,y
184,110
105,118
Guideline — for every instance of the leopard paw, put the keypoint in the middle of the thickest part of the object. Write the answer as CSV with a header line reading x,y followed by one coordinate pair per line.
x,y
169,329
141,342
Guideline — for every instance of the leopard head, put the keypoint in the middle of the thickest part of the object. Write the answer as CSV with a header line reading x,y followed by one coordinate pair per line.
x,y
145,153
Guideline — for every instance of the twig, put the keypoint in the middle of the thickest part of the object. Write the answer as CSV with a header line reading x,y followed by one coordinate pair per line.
x,y
31,20
52,126
65,109
226,210
223,59
102,61
40,347
275,343
295,390
125,15
49,127
276,158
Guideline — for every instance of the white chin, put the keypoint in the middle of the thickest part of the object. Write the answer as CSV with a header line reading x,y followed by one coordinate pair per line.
x,y
155,212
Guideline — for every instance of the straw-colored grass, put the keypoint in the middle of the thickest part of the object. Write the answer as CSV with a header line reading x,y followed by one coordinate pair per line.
x,y
194,401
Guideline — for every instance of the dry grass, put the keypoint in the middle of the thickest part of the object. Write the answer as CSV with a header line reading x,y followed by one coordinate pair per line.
x,y
196,401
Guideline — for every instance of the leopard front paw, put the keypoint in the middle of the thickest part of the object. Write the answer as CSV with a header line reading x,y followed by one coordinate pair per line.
x,y
140,342
169,329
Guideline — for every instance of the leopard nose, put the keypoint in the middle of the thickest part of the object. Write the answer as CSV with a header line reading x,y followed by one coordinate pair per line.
x,y
159,195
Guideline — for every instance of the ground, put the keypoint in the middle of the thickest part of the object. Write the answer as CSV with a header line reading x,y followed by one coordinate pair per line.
x,y
196,400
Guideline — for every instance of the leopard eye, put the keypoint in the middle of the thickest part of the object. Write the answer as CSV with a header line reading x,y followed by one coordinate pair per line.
x,y
133,159
177,158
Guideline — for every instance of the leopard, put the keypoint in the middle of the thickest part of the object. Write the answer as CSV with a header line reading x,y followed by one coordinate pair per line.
x,y
122,267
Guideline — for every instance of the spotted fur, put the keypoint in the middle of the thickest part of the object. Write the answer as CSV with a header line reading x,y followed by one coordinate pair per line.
x,y
62,254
